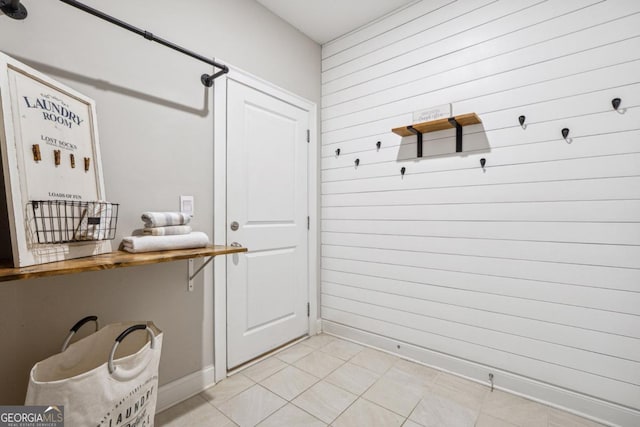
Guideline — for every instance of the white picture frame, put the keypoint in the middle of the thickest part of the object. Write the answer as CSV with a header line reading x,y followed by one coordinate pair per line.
x,y
37,110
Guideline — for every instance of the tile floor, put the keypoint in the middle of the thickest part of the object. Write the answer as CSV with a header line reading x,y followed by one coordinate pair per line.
x,y
328,381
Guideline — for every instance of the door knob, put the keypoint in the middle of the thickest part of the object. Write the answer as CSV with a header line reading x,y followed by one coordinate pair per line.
x,y
236,245
235,225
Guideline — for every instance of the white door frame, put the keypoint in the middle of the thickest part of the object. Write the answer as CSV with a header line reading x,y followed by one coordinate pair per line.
x,y
220,206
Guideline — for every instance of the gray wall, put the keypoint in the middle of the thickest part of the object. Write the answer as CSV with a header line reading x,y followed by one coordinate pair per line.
x,y
156,133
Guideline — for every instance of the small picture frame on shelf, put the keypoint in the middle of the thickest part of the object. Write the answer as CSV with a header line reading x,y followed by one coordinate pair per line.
x,y
37,111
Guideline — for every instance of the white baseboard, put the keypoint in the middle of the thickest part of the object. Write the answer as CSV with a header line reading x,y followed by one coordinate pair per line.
x,y
566,400
184,388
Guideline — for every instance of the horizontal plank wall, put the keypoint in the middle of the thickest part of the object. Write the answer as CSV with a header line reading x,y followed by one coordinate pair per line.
x,y
529,266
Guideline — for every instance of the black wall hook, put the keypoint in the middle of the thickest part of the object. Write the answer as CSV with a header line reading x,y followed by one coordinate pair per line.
x,y
403,170
565,133
483,162
357,162
337,151
522,119
378,144
615,102
13,9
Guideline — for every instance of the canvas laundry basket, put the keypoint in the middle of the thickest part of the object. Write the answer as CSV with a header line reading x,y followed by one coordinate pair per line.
x,y
108,379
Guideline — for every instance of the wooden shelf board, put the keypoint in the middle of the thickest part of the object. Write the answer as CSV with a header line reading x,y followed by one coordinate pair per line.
x,y
433,126
440,124
109,261
468,119
402,131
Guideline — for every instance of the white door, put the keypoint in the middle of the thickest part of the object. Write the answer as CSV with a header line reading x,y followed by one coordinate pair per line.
x,y
267,287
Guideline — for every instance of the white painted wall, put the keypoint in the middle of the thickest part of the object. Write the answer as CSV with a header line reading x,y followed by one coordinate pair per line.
x,y
529,267
156,133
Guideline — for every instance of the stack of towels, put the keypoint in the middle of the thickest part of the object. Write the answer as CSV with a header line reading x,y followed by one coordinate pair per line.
x,y
165,231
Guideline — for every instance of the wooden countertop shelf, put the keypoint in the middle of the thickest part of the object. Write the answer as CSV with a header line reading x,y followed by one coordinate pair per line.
x,y
456,122
109,261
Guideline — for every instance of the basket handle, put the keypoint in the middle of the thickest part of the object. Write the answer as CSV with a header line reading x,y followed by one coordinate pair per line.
x,y
76,327
122,336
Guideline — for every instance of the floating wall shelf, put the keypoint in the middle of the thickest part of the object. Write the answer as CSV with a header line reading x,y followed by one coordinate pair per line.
x,y
456,122
111,260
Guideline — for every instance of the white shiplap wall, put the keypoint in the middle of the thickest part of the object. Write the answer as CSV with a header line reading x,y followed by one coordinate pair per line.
x,y
530,266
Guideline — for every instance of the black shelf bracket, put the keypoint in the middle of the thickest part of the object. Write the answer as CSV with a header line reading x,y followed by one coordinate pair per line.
x,y
458,126
419,135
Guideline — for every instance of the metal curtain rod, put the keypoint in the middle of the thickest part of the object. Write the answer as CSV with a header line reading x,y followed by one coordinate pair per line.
x,y
14,9
206,79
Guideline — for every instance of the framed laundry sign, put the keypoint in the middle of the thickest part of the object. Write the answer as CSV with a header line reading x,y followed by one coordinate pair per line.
x,y
51,163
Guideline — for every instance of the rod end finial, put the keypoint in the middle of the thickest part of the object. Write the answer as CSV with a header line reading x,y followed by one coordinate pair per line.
x,y
13,9
206,80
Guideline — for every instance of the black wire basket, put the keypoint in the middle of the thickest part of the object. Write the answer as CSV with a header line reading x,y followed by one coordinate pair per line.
x,y
64,221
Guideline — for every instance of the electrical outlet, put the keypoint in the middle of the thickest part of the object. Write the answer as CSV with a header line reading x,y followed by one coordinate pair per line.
x,y
186,205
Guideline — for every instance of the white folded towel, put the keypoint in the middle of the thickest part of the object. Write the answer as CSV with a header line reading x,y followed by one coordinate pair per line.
x,y
162,219
137,244
170,230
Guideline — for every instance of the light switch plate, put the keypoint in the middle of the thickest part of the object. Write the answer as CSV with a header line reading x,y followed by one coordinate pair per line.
x,y
186,205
